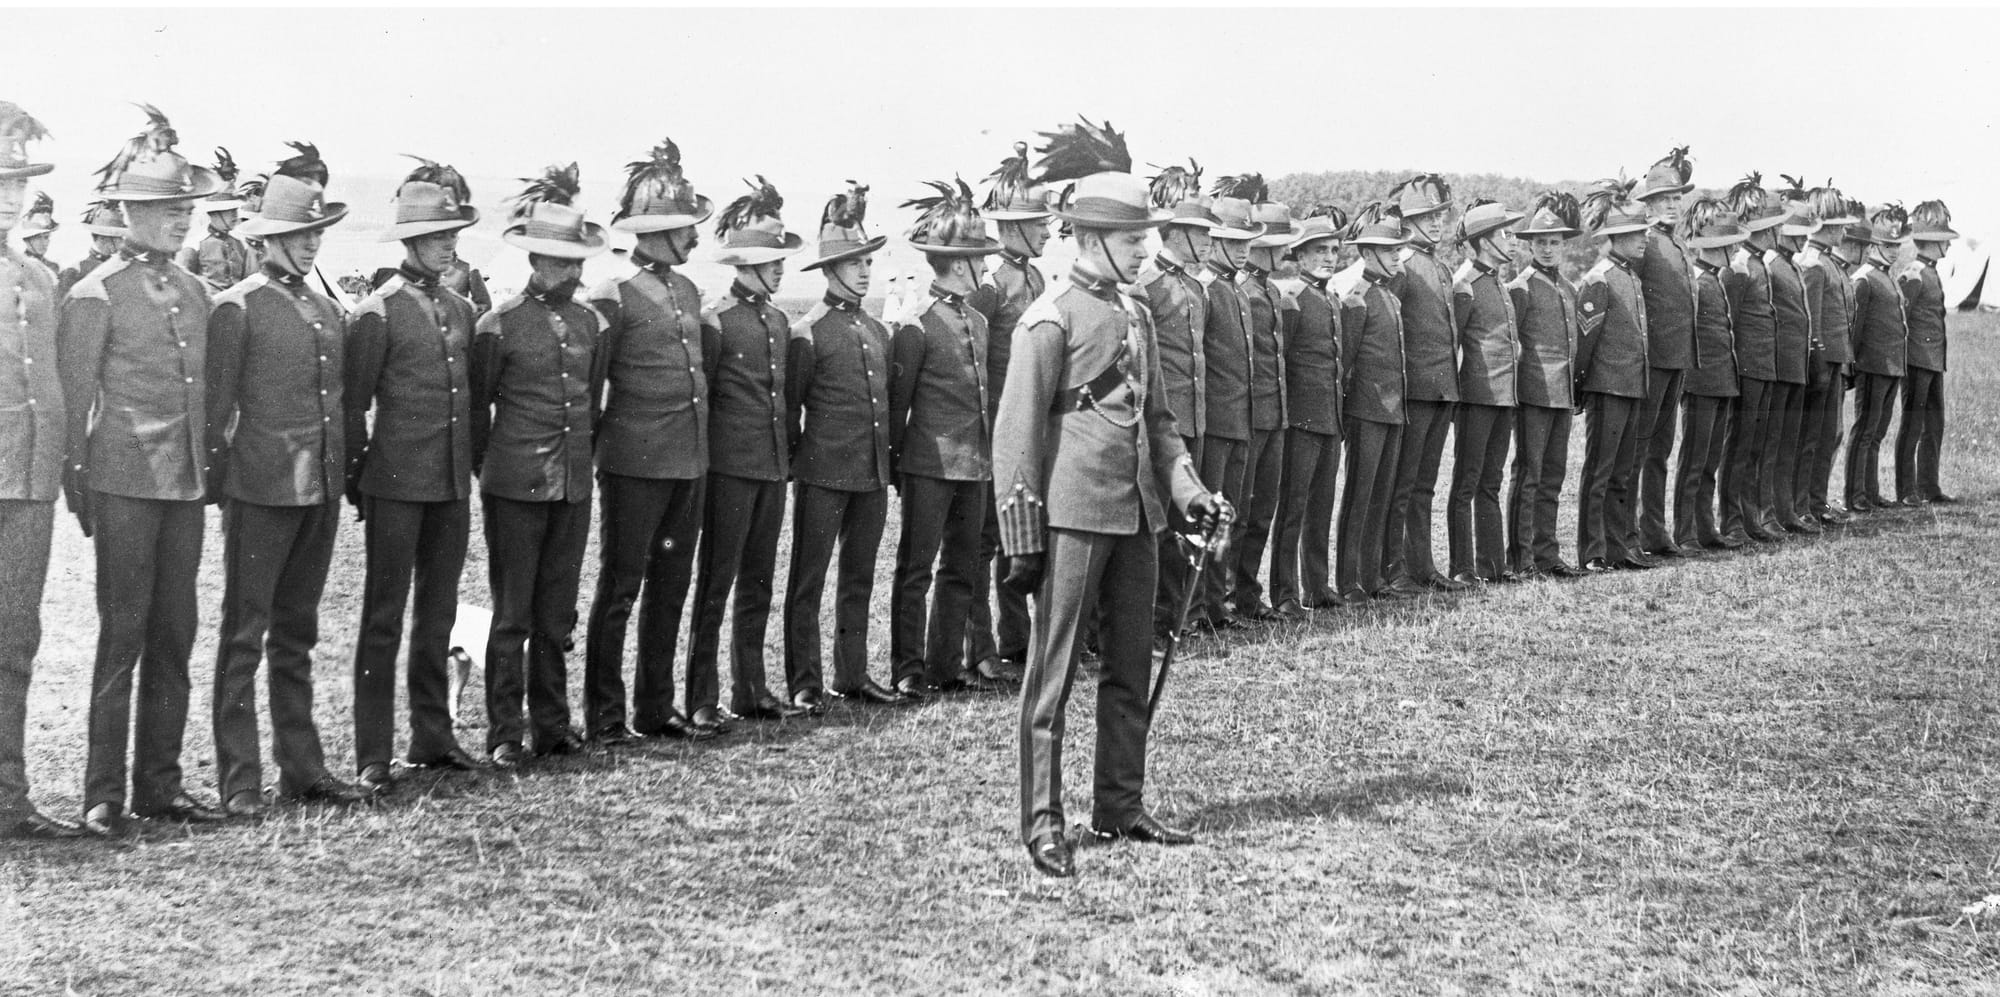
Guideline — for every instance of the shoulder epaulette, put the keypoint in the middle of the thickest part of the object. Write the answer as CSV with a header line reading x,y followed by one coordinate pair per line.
x,y
1206,276
507,306
1044,308
237,292
608,289
92,284
377,303
1740,260
803,328
1599,270
1148,274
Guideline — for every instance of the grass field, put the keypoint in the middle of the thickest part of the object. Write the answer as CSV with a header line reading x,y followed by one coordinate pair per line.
x,y
1761,774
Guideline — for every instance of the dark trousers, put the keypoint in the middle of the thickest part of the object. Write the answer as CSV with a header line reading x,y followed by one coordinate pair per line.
x,y
999,622
1822,433
1541,461
1263,477
1222,467
1704,440
1078,564
1656,445
819,517
1780,472
275,560
148,552
1406,550
25,532
941,524
1175,570
1921,434
1305,516
1604,503
1472,515
1373,448
427,541
1744,457
741,519
645,554
1874,400
534,560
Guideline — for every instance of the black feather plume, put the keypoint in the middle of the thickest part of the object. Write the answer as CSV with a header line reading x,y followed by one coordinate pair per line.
x,y
1247,186
46,205
1933,215
950,216
1173,185
1610,194
1747,197
306,165
1677,160
20,124
159,138
1892,215
90,210
1334,214
1010,182
433,172
846,210
1073,152
557,185
1432,184
225,165
1562,205
763,201
1704,213
1794,188
1827,201
657,176
253,187
1373,213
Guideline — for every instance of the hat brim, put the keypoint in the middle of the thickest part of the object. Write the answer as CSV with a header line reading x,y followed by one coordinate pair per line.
x,y
757,256
1274,240
1015,216
857,252
108,231
1935,235
1662,191
1760,224
1201,223
984,248
1155,217
468,217
1505,222
1425,212
1567,233
29,233
30,170
594,242
214,206
1222,231
1378,240
265,228
205,182
1801,229
642,224
1610,230
1717,241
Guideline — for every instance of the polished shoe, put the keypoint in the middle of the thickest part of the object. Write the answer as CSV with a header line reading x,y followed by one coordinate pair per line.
x,y
1221,623
1691,551
379,780
185,809
710,719
1560,569
1467,580
1053,856
1146,828
454,758
1643,559
1002,670
1727,541
1762,535
105,821
1672,552
1259,612
914,689
811,702
1910,502
1634,562
564,742
1596,565
769,707
613,735
1801,527
1831,516
37,826
507,755
1355,597
678,728
246,806
1507,576
1527,574
1443,584
1290,611
1326,599
329,790
1940,498
1401,588
870,693
968,680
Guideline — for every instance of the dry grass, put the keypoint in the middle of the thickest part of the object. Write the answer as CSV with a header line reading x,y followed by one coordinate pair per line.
x,y
1763,774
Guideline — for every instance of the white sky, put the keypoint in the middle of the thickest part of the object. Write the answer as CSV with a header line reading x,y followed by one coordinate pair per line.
x,y
1893,105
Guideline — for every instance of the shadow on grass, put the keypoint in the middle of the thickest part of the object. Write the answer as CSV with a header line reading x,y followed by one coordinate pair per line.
x,y
1361,799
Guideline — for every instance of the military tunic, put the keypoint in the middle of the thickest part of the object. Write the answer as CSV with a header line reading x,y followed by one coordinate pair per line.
x,y
1489,348
1312,449
1668,284
1016,284
1830,296
32,445
1263,460
1430,333
1225,442
1753,317
1711,392
1371,328
1881,338
1612,373
1921,433
1177,301
1545,318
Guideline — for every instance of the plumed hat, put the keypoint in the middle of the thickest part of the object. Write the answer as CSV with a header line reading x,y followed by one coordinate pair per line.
x,y
1553,213
841,236
148,168
1484,217
751,230
1757,207
1106,195
1610,210
41,217
225,199
104,218
546,221
1378,223
295,197
1889,224
1179,190
1711,224
1011,196
1234,197
1671,174
948,222
1930,221
433,198
1325,221
658,196
1420,195
17,129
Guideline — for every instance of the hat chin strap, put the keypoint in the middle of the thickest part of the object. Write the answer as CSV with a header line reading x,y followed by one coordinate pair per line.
x,y
846,290
278,252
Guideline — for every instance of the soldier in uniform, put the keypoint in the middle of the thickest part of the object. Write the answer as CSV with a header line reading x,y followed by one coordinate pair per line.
x,y
1087,451
652,455
1710,228
1922,430
409,476
275,452
1172,291
1299,578
1546,321
222,258
537,375
838,363
1264,461
107,229
36,228
1751,315
940,438
1225,441
1372,391
997,644
1430,337
1881,342
1489,351
31,462
1611,374
132,346
1667,281
1790,311
1830,299
744,340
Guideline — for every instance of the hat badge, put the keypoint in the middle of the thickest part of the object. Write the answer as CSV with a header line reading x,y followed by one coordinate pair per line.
x,y
313,209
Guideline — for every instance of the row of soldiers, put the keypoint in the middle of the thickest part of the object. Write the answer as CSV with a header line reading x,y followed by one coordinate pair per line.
x,y
687,420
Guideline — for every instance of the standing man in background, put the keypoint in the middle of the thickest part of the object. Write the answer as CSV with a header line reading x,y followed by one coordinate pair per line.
x,y
1922,433
1830,298
1225,444
1667,282
1490,351
1299,579
1881,343
1430,337
1372,392
1611,374
1263,468
1545,318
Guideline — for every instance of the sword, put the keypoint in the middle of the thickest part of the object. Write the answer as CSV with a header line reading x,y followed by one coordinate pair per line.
x,y
1207,544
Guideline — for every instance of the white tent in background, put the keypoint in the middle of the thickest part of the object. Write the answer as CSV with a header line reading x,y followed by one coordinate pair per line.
x,y
1964,271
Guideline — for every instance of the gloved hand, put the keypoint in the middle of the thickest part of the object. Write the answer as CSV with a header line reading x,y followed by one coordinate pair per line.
x,y
1024,573
354,495
1211,511
76,495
